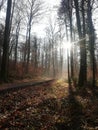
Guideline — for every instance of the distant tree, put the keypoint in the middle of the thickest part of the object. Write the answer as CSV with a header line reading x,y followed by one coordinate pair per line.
x,y
52,36
33,11
35,48
1,40
61,36
16,43
1,4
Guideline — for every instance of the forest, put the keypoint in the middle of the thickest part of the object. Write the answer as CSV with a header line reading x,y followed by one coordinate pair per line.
x,y
49,65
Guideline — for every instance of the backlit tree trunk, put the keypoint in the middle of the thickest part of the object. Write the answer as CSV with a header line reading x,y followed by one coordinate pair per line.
x,y
82,78
91,41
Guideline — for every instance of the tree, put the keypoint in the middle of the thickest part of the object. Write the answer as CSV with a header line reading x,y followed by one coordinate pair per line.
x,y
34,10
35,54
4,64
52,36
17,38
66,11
82,73
84,41
91,34
1,4
1,40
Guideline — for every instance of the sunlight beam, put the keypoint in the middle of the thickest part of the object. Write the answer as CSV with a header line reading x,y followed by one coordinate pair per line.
x,y
66,45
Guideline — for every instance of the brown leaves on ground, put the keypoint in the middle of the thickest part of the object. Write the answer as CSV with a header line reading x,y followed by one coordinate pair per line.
x,y
51,106
35,107
88,98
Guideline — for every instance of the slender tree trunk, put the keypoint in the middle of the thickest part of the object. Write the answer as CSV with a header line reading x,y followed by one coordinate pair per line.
x,y
4,65
25,49
35,55
68,64
16,46
84,44
53,59
1,4
29,37
28,54
49,60
56,63
71,53
42,61
38,56
12,13
61,60
45,62
68,67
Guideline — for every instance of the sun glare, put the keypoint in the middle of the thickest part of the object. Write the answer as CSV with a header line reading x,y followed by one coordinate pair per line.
x,y
66,45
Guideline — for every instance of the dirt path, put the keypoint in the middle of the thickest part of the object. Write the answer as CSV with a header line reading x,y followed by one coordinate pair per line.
x,y
20,82
16,86
52,106
35,107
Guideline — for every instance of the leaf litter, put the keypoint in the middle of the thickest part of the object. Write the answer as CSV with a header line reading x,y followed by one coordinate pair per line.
x,y
50,106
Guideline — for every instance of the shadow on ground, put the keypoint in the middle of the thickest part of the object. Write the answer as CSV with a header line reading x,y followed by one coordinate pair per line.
x,y
45,108
65,113
79,111
73,114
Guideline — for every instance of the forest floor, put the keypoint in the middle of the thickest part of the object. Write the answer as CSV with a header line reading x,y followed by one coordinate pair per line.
x,y
50,106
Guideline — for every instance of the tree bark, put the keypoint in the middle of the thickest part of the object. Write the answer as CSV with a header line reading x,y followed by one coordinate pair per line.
x,y
4,65
91,42
16,46
82,78
84,43
71,53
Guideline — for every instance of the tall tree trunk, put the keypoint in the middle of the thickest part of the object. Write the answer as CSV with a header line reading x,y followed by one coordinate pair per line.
x,y
91,41
25,50
71,53
84,44
12,13
68,64
35,55
81,80
29,36
38,55
28,48
61,60
69,81
4,65
53,58
16,46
